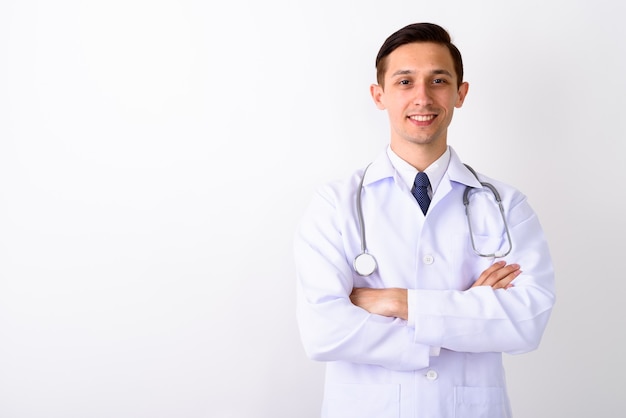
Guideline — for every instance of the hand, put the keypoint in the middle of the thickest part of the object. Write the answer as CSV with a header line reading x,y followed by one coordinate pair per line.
x,y
499,275
390,302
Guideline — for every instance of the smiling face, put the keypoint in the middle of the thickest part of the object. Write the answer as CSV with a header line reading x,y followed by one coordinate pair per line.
x,y
420,92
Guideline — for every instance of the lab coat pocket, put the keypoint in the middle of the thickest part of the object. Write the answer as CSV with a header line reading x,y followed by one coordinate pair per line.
x,y
361,401
480,402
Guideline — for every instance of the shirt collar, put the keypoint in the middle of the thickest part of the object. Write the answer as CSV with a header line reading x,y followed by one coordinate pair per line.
x,y
407,172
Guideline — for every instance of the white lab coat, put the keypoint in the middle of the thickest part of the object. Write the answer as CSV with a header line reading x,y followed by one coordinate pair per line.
x,y
446,361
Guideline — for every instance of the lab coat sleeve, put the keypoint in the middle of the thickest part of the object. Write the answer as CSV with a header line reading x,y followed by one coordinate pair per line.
x,y
331,327
482,319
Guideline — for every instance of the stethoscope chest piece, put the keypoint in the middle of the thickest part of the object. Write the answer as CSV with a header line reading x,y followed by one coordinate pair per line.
x,y
364,264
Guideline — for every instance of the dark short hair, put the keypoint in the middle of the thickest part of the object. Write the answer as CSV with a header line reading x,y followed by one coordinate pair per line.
x,y
418,32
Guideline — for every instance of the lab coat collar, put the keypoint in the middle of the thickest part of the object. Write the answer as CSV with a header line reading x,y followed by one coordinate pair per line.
x,y
458,172
381,168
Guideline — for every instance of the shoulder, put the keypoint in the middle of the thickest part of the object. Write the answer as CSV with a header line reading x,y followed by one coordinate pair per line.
x,y
362,177
471,176
341,188
506,190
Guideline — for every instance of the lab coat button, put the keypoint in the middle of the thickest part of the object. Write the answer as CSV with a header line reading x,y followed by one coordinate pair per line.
x,y
428,259
431,375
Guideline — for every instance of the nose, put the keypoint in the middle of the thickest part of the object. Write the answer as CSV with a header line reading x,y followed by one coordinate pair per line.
x,y
422,96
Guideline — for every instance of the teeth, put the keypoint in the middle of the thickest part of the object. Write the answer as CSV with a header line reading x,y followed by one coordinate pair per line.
x,y
421,118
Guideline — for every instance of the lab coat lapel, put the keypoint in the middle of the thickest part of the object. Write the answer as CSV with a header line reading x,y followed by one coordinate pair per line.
x,y
456,173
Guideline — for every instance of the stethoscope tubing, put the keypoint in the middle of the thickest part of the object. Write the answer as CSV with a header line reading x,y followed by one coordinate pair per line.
x,y
365,264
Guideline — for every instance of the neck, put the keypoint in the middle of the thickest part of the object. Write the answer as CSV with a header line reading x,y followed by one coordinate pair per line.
x,y
419,156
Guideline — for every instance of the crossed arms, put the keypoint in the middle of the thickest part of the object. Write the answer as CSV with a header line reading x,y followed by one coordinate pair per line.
x,y
392,302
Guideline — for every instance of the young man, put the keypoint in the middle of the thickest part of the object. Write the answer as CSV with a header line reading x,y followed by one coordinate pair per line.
x,y
422,335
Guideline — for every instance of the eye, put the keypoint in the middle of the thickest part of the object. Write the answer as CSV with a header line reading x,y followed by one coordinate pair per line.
x,y
405,82
439,81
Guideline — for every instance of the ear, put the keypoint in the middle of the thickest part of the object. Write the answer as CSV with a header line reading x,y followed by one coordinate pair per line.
x,y
378,93
463,88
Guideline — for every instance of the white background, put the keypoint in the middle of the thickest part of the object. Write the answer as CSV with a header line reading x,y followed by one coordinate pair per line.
x,y
155,157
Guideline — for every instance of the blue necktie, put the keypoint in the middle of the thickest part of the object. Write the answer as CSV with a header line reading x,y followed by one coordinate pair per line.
x,y
420,190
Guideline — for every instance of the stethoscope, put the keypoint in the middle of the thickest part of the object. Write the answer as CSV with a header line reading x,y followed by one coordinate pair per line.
x,y
365,263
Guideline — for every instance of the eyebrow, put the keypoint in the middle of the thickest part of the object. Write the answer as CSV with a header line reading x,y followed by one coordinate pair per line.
x,y
433,72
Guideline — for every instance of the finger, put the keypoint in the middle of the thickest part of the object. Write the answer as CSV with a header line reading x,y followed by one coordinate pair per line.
x,y
491,269
500,274
505,280
497,272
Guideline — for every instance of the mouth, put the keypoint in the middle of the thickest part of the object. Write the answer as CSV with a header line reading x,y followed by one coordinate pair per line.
x,y
422,118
